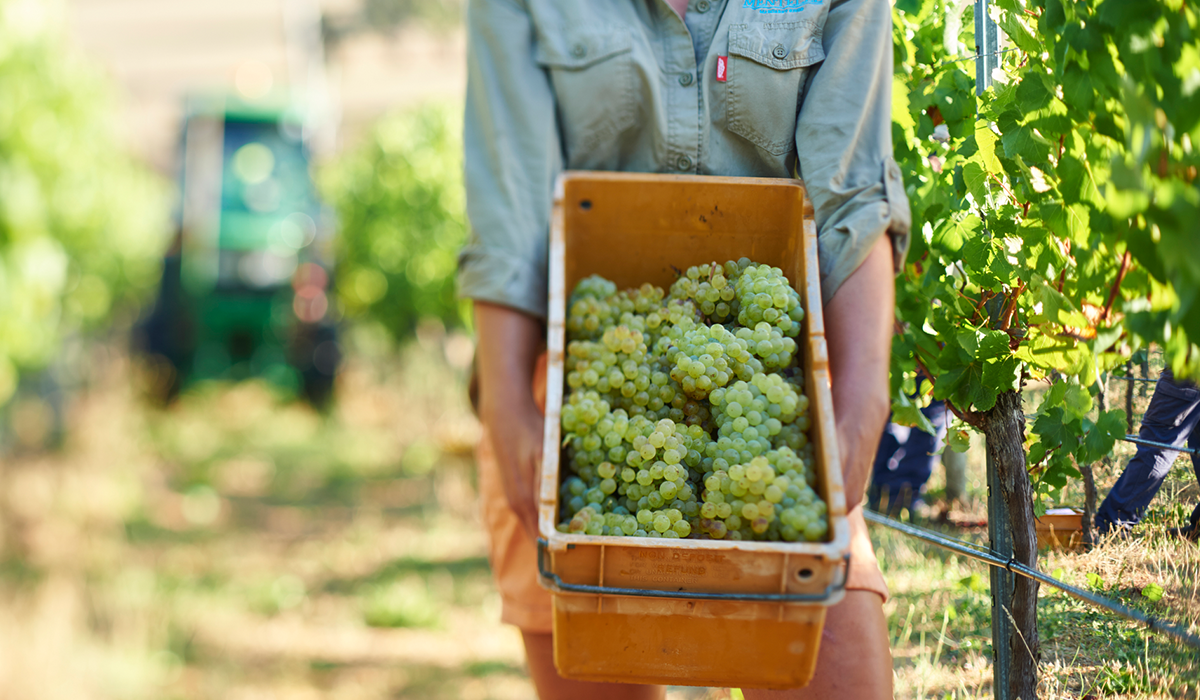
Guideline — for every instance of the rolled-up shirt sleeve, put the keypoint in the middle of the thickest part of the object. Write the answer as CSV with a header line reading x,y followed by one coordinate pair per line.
x,y
844,142
512,155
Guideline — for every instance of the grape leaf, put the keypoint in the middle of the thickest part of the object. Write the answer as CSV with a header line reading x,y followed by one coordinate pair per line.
x,y
1052,427
992,345
1103,435
1078,91
976,181
1075,400
1002,375
1058,472
985,140
953,234
906,412
1032,93
958,440
1016,30
1053,17
1023,140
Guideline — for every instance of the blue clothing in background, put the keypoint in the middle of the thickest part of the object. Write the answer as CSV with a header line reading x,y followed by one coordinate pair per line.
x,y
1172,418
904,462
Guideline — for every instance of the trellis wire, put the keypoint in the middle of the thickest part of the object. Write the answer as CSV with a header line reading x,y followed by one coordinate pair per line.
x,y
1160,445
977,552
976,57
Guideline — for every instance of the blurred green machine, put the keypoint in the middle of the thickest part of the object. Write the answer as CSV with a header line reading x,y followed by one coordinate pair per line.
x,y
246,287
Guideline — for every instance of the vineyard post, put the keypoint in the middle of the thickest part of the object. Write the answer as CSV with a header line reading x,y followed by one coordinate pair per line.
x,y
956,476
987,47
1129,398
1000,540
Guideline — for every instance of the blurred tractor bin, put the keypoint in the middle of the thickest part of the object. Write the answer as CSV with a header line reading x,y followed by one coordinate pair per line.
x,y
246,287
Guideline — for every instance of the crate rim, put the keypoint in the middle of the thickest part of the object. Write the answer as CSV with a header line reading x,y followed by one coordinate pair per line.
x,y
554,583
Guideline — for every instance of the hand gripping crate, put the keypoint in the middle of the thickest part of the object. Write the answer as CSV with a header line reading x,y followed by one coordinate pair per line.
x,y
682,611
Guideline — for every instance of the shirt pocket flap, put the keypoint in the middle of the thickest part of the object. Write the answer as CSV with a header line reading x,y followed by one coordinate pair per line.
x,y
780,45
580,49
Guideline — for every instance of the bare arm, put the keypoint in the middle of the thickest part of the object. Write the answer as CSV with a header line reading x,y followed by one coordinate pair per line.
x,y
509,343
858,328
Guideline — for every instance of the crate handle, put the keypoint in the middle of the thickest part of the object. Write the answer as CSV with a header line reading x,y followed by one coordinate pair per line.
x,y
555,583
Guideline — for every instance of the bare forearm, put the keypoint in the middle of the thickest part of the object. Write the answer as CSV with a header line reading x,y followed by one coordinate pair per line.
x,y
509,343
858,329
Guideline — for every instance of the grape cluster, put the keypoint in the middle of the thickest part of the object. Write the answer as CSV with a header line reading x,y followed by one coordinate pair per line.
x,y
709,357
763,294
768,497
686,415
709,287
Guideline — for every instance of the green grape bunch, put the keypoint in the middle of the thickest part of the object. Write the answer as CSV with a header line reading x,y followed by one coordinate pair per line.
x,y
685,413
709,357
768,497
763,294
711,289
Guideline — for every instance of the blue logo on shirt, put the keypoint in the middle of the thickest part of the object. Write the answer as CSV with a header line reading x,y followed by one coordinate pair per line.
x,y
778,7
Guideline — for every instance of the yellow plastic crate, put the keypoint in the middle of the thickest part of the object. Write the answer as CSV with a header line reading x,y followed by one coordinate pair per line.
x,y
681,611
1060,528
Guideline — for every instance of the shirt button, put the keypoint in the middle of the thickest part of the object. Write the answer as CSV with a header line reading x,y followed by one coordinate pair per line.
x,y
685,79
684,163
578,50
702,6
779,52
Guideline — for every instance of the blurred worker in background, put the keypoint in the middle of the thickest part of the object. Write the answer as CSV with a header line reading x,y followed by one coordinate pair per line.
x,y
748,88
1172,419
903,464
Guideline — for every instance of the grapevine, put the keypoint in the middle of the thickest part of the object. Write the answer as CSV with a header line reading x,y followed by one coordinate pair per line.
x,y
685,413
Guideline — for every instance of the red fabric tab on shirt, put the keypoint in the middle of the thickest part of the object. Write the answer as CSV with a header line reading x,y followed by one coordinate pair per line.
x,y
721,65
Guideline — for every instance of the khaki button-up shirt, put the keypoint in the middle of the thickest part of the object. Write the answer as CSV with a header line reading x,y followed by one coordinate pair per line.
x,y
754,88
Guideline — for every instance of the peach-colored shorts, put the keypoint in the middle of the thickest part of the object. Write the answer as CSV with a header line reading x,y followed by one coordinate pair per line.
x,y
513,554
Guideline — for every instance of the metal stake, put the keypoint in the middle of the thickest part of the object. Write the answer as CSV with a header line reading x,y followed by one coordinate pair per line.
x,y
988,54
1000,542
987,49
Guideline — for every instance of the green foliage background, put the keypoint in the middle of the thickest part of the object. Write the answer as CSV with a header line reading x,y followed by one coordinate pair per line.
x,y
82,226
1056,216
402,218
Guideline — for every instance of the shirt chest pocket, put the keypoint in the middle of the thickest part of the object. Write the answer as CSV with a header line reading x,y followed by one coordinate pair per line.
x,y
592,75
768,64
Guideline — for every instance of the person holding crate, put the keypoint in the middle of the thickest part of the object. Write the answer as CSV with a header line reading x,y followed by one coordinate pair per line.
x,y
756,88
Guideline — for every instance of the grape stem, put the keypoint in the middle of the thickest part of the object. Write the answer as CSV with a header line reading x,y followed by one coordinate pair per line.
x,y
1011,308
1112,294
983,299
1008,190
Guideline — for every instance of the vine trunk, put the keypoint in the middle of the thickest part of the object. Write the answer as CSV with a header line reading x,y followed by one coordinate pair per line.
x,y
1004,428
